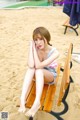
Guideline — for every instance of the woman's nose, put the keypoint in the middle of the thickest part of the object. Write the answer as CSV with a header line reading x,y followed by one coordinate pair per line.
x,y
38,41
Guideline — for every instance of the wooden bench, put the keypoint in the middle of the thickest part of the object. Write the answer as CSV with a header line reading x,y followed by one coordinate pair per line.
x,y
47,95
67,25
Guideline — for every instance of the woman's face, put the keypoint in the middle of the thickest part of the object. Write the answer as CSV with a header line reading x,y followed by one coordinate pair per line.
x,y
40,41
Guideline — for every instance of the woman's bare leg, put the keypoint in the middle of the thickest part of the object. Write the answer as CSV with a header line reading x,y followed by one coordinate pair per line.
x,y
39,89
27,82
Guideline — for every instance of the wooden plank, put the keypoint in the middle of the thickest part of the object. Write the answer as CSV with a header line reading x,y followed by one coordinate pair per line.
x,y
67,24
44,95
66,73
31,96
51,94
49,99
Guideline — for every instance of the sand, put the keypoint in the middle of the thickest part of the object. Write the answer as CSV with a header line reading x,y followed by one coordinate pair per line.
x,y
16,27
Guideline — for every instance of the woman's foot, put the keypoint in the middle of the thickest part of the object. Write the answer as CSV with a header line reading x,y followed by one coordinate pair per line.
x,y
22,106
22,109
33,110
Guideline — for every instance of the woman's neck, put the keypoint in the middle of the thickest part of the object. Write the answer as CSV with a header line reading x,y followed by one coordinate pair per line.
x,y
46,50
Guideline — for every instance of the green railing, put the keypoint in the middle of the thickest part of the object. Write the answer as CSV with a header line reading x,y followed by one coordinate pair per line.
x,y
30,3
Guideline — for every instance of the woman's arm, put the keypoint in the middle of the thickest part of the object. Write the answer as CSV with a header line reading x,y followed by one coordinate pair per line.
x,y
46,62
30,56
36,58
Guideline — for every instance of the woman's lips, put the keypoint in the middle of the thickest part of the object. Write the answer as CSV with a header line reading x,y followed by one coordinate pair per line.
x,y
39,46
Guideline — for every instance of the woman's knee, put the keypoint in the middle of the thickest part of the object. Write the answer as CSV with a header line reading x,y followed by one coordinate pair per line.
x,y
39,71
31,69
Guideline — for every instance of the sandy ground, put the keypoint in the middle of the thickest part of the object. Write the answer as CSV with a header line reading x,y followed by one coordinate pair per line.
x,y
16,27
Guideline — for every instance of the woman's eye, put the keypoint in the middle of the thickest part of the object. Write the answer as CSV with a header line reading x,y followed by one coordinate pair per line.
x,y
35,40
41,38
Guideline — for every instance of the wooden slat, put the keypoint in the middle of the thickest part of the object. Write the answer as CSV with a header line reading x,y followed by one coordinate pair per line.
x,y
44,95
32,95
66,74
67,24
49,98
51,94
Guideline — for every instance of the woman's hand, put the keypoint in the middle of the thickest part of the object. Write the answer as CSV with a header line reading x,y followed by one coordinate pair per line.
x,y
36,59
34,45
31,43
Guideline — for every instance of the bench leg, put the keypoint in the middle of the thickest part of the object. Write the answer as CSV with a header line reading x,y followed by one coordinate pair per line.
x,y
31,118
65,30
76,31
72,29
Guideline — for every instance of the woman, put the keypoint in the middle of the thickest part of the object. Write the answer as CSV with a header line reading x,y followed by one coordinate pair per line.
x,y
41,65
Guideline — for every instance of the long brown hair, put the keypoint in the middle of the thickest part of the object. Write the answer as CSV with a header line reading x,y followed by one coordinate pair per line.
x,y
43,32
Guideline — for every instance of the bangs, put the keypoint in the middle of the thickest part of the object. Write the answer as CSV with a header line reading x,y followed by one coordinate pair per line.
x,y
38,35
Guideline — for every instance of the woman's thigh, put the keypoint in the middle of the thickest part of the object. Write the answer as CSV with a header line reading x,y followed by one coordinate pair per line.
x,y
48,76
